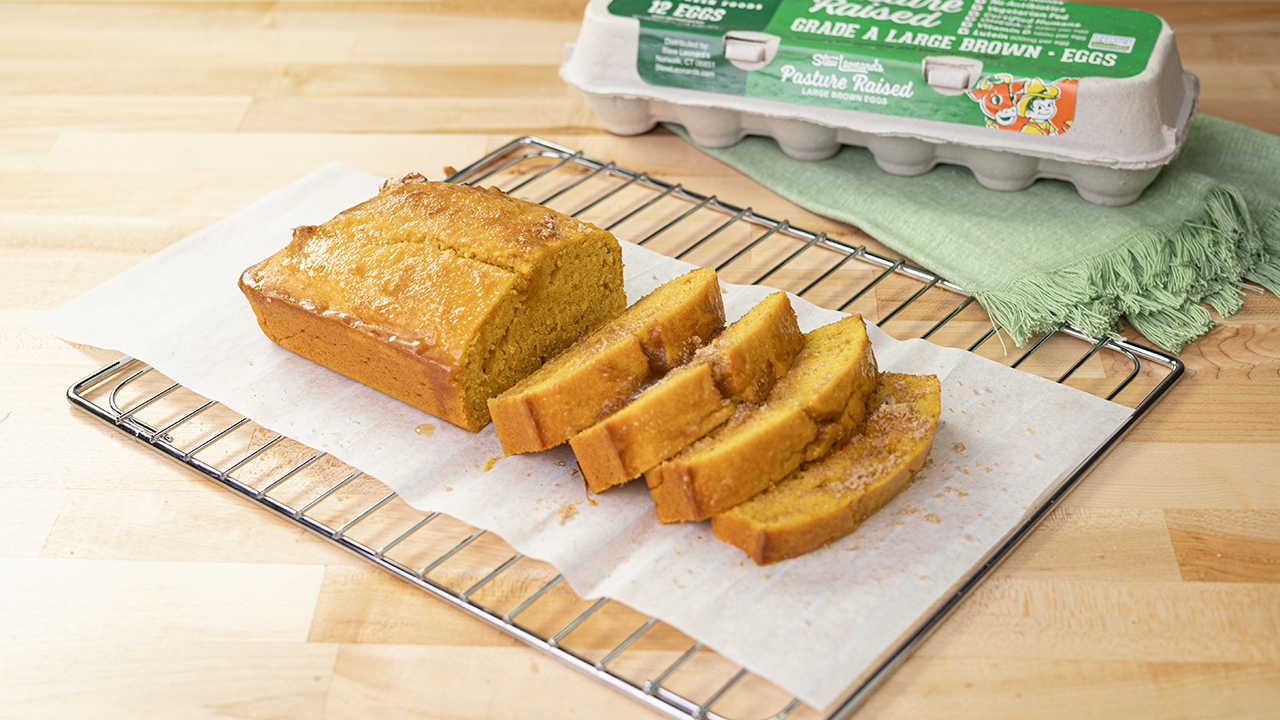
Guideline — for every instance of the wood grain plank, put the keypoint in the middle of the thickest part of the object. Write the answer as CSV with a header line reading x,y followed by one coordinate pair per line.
x,y
1187,475
51,287
1098,544
87,599
22,152
444,39
206,44
1016,688
27,515
256,164
96,78
1190,413
423,80
89,677
366,605
45,113
1226,545
402,682
1061,618
158,525
553,114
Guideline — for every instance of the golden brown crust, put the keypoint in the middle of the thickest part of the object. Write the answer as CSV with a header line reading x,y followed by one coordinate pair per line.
x,y
741,365
599,373
386,367
828,499
440,295
820,400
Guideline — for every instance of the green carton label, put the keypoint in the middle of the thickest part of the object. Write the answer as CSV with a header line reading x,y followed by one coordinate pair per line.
x,y
1007,64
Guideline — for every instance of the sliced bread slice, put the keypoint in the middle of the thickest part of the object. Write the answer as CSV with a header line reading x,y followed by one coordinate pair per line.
x,y
821,399
828,499
602,371
742,364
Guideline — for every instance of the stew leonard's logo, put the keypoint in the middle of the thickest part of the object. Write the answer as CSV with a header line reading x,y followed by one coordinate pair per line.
x,y
1026,105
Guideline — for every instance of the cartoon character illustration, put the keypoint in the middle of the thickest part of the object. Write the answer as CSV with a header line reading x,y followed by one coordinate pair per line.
x,y
997,98
1027,105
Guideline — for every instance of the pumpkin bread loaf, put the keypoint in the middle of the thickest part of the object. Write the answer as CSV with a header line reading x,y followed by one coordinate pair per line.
x,y
439,295
828,499
742,364
817,403
600,372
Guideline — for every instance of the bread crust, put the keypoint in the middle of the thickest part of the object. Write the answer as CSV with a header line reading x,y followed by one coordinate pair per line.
x,y
386,367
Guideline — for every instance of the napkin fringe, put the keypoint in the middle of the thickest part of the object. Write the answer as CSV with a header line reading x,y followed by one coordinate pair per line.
x,y
1160,281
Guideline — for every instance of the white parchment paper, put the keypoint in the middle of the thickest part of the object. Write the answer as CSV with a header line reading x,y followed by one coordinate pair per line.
x,y
812,624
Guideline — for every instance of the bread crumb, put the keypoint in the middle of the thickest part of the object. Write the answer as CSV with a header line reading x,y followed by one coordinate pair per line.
x,y
559,463
567,511
958,447
448,489
490,463
930,517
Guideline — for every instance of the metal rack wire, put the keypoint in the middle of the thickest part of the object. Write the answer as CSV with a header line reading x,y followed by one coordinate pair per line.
x,y
649,661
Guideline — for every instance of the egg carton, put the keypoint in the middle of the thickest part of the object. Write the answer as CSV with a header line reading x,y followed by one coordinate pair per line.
x,y
815,76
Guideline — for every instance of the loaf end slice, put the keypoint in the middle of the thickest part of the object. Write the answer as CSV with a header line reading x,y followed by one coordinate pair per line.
x,y
830,498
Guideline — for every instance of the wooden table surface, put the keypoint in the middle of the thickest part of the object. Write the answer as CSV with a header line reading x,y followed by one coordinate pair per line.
x,y
133,588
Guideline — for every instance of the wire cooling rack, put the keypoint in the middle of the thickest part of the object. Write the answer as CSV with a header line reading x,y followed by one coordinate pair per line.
x,y
479,574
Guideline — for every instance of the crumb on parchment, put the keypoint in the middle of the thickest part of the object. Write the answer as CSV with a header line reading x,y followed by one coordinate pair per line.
x,y
567,511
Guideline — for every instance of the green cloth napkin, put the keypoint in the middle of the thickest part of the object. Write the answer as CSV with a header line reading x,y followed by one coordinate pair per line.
x,y
1207,226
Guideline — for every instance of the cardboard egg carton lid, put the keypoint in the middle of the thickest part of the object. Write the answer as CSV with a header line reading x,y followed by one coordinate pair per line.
x,y
1014,89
